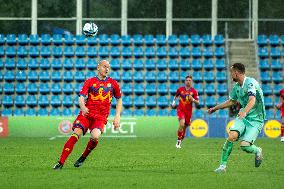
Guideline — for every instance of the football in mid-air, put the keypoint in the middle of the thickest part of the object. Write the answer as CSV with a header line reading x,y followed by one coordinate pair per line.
x,y
90,29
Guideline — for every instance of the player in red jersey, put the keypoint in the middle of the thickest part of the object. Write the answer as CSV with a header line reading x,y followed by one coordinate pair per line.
x,y
280,106
187,96
95,102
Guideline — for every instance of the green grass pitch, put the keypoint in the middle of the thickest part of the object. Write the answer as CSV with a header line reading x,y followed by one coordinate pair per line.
x,y
138,163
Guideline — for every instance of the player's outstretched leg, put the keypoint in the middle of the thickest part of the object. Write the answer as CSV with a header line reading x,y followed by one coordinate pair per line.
x,y
180,133
226,151
90,146
255,150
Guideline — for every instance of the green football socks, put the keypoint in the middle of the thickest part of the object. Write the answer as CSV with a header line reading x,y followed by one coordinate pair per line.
x,y
227,149
250,149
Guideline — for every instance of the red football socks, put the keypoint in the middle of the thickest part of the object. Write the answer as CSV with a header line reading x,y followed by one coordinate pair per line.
x,y
282,130
68,147
90,146
180,134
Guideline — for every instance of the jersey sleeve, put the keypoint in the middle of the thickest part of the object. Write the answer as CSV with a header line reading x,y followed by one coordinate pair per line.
x,y
233,94
85,89
251,89
116,90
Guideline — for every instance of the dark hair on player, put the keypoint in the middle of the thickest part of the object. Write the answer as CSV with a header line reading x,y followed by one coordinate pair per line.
x,y
239,67
188,76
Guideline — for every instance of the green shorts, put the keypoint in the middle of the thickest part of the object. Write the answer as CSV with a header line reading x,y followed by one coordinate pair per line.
x,y
248,130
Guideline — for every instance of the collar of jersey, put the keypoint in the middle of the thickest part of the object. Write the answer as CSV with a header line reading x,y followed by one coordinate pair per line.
x,y
100,79
244,82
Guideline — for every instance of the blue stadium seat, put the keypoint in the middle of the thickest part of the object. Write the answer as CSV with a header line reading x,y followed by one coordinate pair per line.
x,y
219,40
207,40
151,89
201,101
56,88
209,89
208,64
8,88
163,89
264,64
20,101
67,101
274,40
174,76
149,40
126,64
34,39
220,64
2,52
265,77
103,52
68,63
115,76
126,40
139,112
45,39
222,89
208,52
162,64
126,112
262,40
161,52
150,76
32,88
114,52
138,64
44,88
127,89
172,40
22,64
184,52
45,52
69,40
262,52
21,76
198,114
44,76
31,101
68,51
2,39
9,76
68,76
44,64
103,39
79,77
151,101
195,40
30,112
22,52
277,77
196,64
150,64
66,112
11,51
275,52
268,102
139,89
173,52
163,102
57,39
56,76
7,101
55,101
92,52
161,40
210,101
138,52
184,74
127,101
173,88
80,52
209,76
56,64
55,112
223,113
277,88
20,89
276,64
173,64
10,64
219,52
92,41
184,64
19,112
138,40
267,89
126,52
270,114
162,112
150,52
81,40
7,112
184,40
162,77
114,40
151,112
34,52
115,64
138,77
78,87
196,52
199,87
11,39
126,76
57,52
221,76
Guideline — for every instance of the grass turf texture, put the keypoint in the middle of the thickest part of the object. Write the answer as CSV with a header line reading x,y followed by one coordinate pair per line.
x,y
138,163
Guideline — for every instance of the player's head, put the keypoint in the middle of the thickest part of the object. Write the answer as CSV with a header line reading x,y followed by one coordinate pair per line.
x,y
237,70
103,68
188,81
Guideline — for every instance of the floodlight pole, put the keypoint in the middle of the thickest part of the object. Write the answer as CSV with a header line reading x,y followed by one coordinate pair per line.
x,y
79,17
34,17
169,25
214,15
123,17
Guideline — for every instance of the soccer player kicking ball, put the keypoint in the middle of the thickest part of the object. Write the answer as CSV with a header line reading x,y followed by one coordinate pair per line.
x,y
280,106
98,92
250,119
187,95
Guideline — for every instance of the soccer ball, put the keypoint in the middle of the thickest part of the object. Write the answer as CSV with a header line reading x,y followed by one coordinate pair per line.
x,y
90,29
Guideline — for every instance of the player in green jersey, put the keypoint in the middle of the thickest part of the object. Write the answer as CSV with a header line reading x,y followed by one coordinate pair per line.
x,y
250,120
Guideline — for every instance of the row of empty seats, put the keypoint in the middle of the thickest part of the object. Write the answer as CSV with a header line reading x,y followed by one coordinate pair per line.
x,y
273,52
273,40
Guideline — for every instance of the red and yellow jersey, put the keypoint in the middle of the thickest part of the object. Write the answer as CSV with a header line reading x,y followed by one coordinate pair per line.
x,y
185,104
99,94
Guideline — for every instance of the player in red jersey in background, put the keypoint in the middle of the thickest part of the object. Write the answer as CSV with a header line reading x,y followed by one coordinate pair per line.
x,y
187,96
95,103
280,106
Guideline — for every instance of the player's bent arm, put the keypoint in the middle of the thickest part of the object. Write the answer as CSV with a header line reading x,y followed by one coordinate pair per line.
x,y
82,102
225,104
118,107
250,104
195,101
